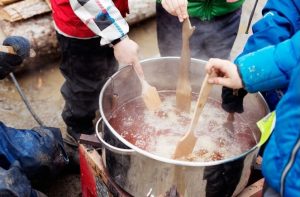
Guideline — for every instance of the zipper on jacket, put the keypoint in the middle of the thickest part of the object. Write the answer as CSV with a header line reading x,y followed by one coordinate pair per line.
x,y
289,166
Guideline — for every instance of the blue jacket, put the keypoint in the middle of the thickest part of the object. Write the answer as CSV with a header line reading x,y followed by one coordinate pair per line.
x,y
280,22
271,60
281,158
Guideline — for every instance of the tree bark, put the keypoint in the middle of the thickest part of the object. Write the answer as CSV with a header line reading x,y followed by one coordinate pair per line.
x,y
23,10
6,2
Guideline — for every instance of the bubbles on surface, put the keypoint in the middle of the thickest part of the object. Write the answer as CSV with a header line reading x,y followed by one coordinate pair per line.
x,y
158,132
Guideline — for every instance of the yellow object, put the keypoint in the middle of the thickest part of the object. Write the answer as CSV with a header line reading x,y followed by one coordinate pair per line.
x,y
266,126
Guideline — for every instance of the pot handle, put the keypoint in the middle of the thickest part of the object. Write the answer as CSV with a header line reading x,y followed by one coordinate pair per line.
x,y
106,145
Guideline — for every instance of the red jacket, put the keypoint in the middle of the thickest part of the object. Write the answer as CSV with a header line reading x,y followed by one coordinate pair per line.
x,y
67,22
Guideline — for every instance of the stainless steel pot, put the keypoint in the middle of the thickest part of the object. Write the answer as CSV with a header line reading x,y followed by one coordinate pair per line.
x,y
141,173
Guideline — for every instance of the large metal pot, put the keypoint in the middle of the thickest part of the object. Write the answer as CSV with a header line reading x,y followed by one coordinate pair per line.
x,y
141,173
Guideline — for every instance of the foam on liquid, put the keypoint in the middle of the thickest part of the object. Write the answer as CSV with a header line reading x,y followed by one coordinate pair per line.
x,y
159,132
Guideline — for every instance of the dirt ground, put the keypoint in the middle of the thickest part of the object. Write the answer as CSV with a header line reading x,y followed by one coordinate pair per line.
x,y
42,87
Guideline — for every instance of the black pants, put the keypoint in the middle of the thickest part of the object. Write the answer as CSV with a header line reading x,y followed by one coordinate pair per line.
x,y
212,38
85,65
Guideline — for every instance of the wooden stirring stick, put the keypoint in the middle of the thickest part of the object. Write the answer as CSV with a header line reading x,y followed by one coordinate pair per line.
x,y
186,144
229,122
7,49
184,89
10,50
149,93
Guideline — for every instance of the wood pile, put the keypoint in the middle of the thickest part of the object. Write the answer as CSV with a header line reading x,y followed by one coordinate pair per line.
x,y
32,19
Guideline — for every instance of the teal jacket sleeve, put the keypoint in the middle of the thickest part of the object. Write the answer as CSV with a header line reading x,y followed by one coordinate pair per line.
x,y
270,67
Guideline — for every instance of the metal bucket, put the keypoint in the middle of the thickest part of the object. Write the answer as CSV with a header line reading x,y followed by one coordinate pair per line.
x,y
141,173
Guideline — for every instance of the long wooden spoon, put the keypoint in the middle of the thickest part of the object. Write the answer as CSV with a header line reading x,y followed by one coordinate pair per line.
x,y
7,49
10,50
229,122
149,93
186,144
183,89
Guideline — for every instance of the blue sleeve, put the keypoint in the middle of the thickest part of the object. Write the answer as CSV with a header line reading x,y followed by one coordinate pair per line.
x,y
270,67
281,20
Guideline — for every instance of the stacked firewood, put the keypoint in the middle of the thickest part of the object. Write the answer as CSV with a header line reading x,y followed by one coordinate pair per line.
x,y
22,10
32,19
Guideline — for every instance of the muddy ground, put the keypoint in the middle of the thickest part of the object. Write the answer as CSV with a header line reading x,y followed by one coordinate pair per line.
x,y
42,86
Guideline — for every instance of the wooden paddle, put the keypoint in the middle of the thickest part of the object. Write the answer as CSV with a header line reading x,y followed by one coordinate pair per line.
x,y
186,144
184,89
229,122
10,50
149,93
7,49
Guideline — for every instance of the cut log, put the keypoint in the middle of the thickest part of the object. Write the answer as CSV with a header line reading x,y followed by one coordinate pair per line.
x,y
49,3
140,10
23,10
254,190
6,2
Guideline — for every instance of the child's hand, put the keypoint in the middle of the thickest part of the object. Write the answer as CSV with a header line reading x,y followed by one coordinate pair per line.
x,y
226,71
126,52
176,7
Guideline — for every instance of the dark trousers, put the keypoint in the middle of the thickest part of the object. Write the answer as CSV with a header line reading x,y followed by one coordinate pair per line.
x,y
85,66
213,38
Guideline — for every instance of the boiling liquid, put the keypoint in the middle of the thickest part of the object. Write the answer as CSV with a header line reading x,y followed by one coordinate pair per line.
x,y
158,132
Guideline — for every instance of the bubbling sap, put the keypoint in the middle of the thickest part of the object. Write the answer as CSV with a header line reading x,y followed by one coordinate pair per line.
x,y
158,132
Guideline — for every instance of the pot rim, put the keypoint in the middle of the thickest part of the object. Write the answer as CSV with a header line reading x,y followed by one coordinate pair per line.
x,y
157,157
